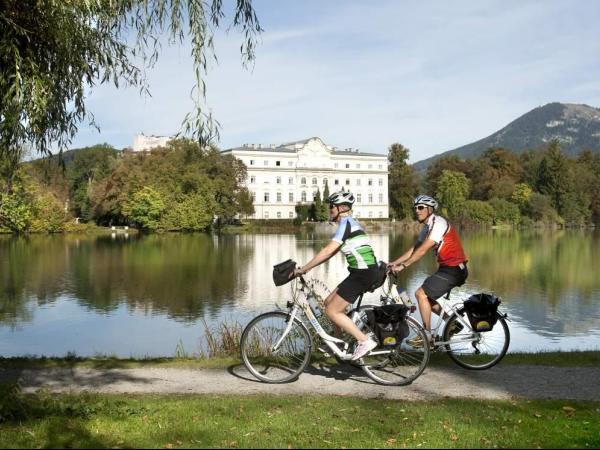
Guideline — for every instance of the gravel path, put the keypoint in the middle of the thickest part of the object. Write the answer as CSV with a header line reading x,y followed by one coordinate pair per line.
x,y
502,382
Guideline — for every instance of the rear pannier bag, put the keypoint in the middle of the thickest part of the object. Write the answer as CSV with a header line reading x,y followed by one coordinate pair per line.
x,y
388,322
482,310
283,271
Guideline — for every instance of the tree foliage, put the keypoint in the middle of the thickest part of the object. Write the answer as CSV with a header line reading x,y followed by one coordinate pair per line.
x,y
53,52
452,193
402,181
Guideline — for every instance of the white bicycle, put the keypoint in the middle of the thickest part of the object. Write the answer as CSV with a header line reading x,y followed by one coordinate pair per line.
x,y
456,334
276,347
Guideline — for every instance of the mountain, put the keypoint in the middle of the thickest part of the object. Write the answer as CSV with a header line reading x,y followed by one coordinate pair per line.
x,y
577,127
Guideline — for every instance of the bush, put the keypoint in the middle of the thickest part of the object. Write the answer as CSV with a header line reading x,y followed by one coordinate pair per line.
x,y
541,210
479,212
15,213
49,215
505,212
145,209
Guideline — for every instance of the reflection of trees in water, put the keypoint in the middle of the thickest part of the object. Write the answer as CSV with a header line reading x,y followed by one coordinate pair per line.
x,y
180,275
177,274
31,270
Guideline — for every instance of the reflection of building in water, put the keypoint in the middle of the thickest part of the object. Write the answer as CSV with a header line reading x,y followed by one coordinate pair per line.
x,y
272,249
279,177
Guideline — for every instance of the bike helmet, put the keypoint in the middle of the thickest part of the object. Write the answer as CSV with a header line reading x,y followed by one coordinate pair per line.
x,y
341,198
426,200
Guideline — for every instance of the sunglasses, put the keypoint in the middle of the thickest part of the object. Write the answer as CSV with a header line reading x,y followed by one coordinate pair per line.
x,y
420,207
331,206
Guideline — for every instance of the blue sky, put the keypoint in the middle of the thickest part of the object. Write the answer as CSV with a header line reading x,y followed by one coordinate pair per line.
x,y
431,75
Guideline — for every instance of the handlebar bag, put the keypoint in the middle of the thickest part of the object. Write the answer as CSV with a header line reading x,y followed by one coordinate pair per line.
x,y
282,272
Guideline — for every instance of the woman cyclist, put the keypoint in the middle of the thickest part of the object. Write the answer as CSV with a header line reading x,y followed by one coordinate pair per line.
x,y
354,242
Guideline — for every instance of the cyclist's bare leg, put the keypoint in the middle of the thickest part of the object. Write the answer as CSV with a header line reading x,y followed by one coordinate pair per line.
x,y
426,307
336,310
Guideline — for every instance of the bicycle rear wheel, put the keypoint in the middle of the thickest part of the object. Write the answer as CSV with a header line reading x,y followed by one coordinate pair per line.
x,y
472,350
275,365
400,365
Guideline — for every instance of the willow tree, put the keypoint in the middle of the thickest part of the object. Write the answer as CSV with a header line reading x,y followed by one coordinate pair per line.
x,y
53,51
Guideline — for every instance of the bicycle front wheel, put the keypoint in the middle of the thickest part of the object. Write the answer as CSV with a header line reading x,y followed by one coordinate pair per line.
x,y
402,364
472,350
271,354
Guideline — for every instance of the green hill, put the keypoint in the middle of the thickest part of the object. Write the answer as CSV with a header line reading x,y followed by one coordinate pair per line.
x,y
577,127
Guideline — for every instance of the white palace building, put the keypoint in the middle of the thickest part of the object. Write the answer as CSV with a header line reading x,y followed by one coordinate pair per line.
x,y
281,176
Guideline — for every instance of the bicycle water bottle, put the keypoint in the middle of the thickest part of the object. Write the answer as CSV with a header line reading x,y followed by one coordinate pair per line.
x,y
404,297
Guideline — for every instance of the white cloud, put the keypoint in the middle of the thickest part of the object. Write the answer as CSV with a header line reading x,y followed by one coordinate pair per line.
x,y
432,75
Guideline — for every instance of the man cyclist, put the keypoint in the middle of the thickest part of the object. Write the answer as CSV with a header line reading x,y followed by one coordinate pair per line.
x,y
439,235
354,242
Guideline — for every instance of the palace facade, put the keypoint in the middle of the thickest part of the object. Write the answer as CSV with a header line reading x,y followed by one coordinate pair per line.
x,y
281,176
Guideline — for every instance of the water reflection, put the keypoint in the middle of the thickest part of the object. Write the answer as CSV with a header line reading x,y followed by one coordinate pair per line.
x,y
127,294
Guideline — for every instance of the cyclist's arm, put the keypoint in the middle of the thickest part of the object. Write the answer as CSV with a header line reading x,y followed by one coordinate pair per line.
x,y
418,252
327,252
404,257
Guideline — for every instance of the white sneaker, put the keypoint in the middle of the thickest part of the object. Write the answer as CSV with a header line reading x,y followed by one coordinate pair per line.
x,y
363,348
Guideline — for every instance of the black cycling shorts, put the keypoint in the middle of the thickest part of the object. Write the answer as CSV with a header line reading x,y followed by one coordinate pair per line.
x,y
358,282
446,278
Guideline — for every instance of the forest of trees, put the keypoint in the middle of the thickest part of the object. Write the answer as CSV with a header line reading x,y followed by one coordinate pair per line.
x,y
184,188
537,187
181,187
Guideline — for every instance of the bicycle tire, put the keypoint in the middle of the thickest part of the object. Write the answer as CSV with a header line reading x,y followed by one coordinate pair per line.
x,y
401,365
469,355
288,361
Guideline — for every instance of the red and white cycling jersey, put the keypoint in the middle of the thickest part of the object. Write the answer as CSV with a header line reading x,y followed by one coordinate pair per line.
x,y
448,248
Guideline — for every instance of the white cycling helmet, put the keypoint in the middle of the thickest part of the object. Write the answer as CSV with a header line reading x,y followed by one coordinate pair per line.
x,y
426,200
341,198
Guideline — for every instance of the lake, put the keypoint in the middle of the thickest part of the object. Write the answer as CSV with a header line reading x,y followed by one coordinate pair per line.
x,y
148,295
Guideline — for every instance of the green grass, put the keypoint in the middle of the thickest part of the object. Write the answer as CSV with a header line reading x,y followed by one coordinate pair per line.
x,y
177,421
558,359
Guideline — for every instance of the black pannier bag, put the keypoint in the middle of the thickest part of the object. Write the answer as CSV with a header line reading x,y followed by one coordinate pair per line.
x,y
282,272
482,310
381,276
388,322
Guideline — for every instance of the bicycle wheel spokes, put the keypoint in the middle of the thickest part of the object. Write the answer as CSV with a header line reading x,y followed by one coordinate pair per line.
x,y
399,365
269,357
477,350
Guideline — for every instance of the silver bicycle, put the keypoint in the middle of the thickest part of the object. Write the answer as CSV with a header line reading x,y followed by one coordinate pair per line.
x,y
455,334
276,347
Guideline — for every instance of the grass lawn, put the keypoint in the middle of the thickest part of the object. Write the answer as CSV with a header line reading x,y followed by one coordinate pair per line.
x,y
180,421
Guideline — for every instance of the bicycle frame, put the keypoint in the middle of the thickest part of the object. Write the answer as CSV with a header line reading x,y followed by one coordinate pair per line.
x,y
301,304
447,310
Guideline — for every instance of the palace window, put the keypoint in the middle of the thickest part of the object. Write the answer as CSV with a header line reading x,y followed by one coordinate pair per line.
x,y
358,182
266,163
347,166
370,198
291,215
370,182
291,197
314,181
380,198
278,180
381,182
279,214
252,180
359,198
251,162
290,180
336,182
278,163
279,197
266,197
303,181
324,181
303,197
347,181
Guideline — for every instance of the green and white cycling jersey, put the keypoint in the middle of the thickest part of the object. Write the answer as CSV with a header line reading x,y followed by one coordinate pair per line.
x,y
355,244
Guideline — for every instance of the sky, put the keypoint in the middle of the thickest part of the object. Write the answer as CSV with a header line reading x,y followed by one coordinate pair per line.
x,y
431,75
